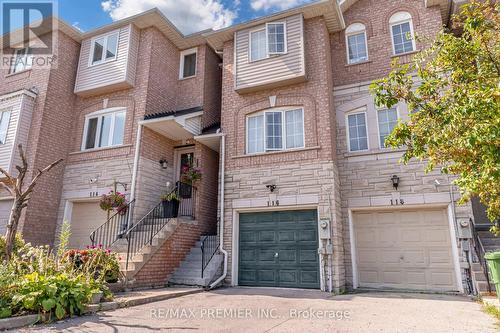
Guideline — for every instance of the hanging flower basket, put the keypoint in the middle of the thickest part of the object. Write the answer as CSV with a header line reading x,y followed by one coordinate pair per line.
x,y
114,201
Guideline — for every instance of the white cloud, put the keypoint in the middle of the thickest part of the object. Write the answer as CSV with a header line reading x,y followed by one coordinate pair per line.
x,y
188,15
275,4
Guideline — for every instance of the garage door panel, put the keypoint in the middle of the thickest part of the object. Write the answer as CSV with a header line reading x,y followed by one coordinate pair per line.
x,y
286,236
308,256
267,236
412,251
293,236
85,218
309,277
441,278
288,256
248,237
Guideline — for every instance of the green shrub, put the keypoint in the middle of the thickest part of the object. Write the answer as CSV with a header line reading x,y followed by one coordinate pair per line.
x,y
60,294
18,243
36,280
101,264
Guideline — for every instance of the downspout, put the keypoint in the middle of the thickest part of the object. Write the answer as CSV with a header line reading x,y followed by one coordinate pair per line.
x,y
221,224
136,165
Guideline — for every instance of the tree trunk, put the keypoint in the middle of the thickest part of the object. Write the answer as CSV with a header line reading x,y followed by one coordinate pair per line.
x,y
10,236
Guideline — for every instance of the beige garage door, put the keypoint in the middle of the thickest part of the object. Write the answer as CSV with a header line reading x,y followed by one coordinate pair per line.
x,y
404,249
5,207
85,218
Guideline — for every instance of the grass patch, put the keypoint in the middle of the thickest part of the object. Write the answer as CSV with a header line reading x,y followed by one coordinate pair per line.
x,y
492,310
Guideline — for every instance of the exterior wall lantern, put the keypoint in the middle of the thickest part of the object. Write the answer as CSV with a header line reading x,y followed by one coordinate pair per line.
x,y
163,163
395,181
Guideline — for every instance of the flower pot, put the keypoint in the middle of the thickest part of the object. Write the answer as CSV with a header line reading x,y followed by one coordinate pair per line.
x,y
96,297
170,208
185,190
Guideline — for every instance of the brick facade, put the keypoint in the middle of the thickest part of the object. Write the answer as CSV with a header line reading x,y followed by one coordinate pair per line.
x,y
426,23
304,177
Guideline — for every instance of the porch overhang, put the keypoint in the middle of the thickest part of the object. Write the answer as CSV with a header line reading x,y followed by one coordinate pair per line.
x,y
175,125
212,140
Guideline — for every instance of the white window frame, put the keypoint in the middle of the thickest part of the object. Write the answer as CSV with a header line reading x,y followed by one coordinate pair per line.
x,y
25,55
352,30
378,125
3,139
397,19
99,115
354,112
285,48
184,53
266,29
283,130
105,37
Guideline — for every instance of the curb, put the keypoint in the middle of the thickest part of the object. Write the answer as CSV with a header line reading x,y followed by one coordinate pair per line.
x,y
22,321
17,322
140,300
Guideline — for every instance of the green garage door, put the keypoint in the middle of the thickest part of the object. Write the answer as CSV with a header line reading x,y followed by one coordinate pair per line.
x,y
279,249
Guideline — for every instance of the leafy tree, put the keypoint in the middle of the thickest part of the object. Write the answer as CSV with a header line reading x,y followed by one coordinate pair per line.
x,y
452,90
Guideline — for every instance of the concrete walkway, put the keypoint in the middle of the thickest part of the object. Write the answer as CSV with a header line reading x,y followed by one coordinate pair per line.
x,y
288,310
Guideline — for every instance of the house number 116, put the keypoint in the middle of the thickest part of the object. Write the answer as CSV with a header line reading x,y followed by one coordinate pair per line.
x,y
397,202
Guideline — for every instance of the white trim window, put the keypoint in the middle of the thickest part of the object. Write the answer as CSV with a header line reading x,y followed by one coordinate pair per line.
x,y
403,40
104,129
267,41
387,120
357,50
22,60
274,130
357,131
104,48
276,43
187,67
4,125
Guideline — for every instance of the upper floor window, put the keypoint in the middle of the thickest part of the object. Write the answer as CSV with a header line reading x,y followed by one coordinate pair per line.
x,y
402,33
104,48
275,130
357,131
268,41
387,120
22,60
4,125
187,64
357,50
104,129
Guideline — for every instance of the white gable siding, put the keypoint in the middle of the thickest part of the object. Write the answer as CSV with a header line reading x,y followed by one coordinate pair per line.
x,y
275,68
118,72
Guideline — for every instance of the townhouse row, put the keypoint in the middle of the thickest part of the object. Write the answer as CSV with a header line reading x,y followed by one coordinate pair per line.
x,y
275,113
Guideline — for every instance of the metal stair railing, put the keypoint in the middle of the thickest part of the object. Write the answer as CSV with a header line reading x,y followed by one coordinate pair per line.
x,y
480,252
209,247
114,228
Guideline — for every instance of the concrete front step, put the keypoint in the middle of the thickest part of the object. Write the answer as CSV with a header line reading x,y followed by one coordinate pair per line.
x,y
190,281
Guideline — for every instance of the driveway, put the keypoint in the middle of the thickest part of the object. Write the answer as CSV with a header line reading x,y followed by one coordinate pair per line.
x,y
289,310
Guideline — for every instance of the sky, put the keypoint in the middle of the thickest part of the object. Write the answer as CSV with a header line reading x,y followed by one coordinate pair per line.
x,y
188,15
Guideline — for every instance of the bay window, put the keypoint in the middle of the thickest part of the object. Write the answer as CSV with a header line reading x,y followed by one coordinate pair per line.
x,y
104,129
275,130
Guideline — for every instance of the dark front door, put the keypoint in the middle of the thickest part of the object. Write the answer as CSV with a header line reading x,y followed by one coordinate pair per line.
x,y
279,249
